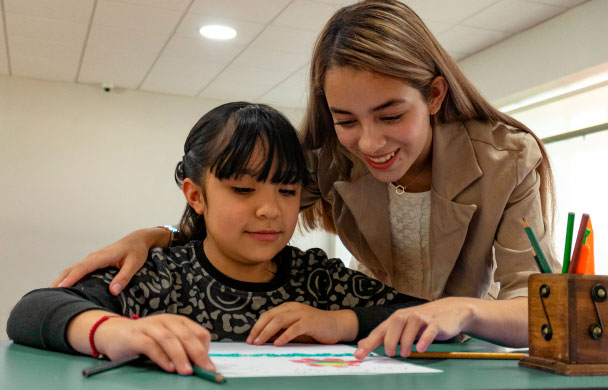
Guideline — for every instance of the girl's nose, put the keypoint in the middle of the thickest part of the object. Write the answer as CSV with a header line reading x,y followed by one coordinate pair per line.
x,y
268,207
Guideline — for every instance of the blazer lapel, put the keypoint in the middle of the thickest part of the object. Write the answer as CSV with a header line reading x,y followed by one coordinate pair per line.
x,y
367,200
455,168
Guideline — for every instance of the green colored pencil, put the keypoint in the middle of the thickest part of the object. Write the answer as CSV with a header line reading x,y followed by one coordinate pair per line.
x,y
540,258
568,248
208,375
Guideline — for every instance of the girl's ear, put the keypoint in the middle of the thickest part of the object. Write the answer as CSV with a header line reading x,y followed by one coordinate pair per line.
x,y
194,195
439,88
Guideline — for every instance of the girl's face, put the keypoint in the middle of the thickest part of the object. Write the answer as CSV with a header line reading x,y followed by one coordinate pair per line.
x,y
383,121
248,222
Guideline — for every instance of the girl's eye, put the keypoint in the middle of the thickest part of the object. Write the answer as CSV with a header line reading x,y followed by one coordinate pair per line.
x,y
242,190
288,192
391,118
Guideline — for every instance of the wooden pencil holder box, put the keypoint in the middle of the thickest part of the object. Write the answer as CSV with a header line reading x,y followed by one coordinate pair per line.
x,y
567,320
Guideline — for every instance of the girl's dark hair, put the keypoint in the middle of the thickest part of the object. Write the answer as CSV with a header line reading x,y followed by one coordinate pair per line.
x,y
223,141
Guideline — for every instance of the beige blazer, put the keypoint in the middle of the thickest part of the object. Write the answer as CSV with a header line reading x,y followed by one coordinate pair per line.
x,y
484,182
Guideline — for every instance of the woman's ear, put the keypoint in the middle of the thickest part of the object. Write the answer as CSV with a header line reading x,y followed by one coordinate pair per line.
x,y
439,88
194,196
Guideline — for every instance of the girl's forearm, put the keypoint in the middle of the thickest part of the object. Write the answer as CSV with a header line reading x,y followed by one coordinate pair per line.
x,y
80,326
502,321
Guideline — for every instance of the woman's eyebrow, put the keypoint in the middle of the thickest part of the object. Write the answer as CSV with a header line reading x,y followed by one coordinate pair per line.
x,y
392,102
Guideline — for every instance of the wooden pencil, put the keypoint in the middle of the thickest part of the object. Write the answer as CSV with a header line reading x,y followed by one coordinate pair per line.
x,y
467,355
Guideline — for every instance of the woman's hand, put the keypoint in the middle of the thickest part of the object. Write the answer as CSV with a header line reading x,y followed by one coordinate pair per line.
x,y
293,321
438,320
172,341
127,254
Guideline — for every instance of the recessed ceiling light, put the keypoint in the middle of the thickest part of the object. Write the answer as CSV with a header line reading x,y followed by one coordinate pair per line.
x,y
214,31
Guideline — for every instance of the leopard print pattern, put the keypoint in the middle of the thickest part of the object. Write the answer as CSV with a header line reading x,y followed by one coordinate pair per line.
x,y
173,281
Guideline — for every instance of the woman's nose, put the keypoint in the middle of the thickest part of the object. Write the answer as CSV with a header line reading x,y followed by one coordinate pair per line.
x,y
370,140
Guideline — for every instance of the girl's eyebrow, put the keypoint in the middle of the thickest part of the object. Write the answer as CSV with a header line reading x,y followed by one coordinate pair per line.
x,y
392,102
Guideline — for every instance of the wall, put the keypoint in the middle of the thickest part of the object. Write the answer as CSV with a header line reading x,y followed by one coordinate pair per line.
x,y
552,53
81,168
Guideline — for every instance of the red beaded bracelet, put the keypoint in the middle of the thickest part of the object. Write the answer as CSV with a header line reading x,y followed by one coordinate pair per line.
x,y
100,321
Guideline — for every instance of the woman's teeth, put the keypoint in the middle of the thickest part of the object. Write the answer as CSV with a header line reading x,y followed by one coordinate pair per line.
x,y
380,160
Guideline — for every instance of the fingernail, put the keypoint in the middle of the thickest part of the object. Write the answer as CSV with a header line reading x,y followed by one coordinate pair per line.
x,y
61,284
359,351
171,366
115,288
256,341
187,368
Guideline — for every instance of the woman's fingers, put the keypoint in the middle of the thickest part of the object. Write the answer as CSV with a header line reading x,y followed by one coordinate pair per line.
x,y
427,337
371,342
128,269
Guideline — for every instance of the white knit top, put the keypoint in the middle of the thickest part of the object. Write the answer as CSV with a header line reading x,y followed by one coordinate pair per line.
x,y
409,219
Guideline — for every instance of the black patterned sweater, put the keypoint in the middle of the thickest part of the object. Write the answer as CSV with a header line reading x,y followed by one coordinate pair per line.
x,y
181,280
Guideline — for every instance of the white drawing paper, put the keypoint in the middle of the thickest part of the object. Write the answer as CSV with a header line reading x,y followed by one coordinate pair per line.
x,y
241,360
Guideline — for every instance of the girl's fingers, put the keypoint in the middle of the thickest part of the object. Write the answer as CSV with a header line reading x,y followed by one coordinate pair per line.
x,y
409,334
293,331
172,346
149,347
196,340
260,324
274,326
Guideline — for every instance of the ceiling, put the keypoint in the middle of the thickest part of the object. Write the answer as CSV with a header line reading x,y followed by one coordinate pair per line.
x,y
154,45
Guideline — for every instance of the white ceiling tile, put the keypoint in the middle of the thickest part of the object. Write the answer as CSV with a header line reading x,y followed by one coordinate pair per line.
x,y
447,11
512,16
176,76
179,5
292,92
560,3
272,59
77,11
56,69
133,17
438,27
285,39
469,40
36,58
259,11
117,40
338,3
191,24
55,30
3,52
125,70
305,15
243,82
202,49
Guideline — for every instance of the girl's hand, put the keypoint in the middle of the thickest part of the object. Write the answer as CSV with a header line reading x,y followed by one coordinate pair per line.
x,y
299,322
127,254
438,320
171,341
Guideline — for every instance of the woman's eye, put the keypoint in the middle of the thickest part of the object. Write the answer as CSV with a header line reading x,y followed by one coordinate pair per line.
x,y
288,192
344,123
242,190
392,118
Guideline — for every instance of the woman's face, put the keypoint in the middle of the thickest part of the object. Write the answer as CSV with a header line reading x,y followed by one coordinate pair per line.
x,y
383,121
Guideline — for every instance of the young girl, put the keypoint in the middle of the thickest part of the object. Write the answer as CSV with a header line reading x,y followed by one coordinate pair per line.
x,y
241,175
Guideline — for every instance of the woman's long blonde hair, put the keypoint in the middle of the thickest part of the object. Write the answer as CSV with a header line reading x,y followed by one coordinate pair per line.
x,y
389,39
